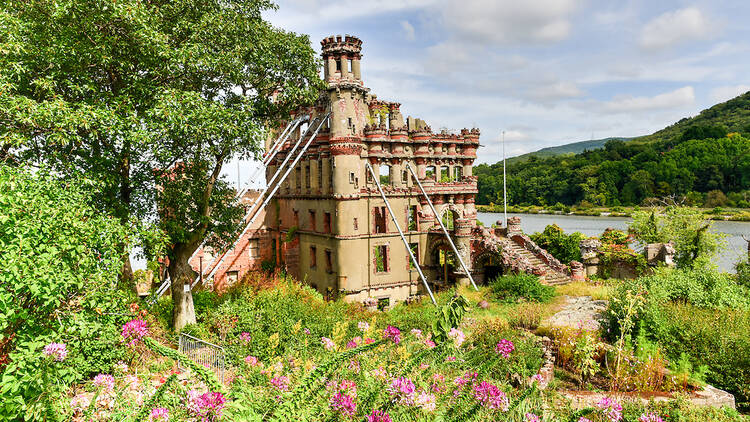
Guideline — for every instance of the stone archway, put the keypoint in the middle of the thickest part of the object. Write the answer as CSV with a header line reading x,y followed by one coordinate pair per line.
x,y
444,262
488,265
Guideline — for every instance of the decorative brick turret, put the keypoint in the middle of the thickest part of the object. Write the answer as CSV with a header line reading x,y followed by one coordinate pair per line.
x,y
337,52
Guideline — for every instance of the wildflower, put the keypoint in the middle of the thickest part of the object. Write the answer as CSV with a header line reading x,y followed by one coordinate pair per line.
x,y
328,343
378,416
612,410
582,419
379,373
425,401
281,383
537,378
429,343
133,331
369,340
490,396
245,337
207,407
343,404
56,351
650,417
121,367
159,414
363,326
416,332
403,389
354,366
105,381
251,360
351,344
392,333
450,359
306,331
530,417
458,336
423,366
504,348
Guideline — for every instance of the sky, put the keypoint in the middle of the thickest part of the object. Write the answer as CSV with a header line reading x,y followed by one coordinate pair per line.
x,y
547,72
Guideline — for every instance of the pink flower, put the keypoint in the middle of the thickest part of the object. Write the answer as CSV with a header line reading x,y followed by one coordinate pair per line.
x,y
245,337
328,343
351,344
650,417
379,373
363,326
504,348
369,340
343,404
281,383
251,360
582,419
207,407
378,416
490,396
392,333
133,331
611,409
530,417
450,359
105,381
306,331
423,366
354,366
56,351
426,401
402,389
537,378
416,332
159,414
429,343
458,336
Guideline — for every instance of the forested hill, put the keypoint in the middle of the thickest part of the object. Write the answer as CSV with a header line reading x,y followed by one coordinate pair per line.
x,y
705,159
572,148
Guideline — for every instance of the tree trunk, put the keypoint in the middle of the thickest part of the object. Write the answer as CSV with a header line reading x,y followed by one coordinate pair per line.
x,y
182,275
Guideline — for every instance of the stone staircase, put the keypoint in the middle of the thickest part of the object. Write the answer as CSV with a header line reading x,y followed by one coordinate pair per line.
x,y
552,277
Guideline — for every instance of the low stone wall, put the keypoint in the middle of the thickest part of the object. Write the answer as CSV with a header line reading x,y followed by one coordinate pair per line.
x,y
708,396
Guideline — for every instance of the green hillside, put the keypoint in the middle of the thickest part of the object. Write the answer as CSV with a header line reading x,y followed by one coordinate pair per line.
x,y
704,159
733,115
572,148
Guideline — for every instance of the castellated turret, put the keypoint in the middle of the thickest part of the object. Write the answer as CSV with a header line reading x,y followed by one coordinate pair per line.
x,y
342,58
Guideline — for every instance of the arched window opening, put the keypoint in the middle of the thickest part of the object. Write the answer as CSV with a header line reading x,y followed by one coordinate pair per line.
x,y
385,174
429,173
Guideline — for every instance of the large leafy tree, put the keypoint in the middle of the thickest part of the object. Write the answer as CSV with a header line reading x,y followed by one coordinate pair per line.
x,y
150,98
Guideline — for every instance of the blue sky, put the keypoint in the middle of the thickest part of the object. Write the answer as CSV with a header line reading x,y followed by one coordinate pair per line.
x,y
548,72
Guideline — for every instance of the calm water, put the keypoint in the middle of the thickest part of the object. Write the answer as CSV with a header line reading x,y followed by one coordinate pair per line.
x,y
594,226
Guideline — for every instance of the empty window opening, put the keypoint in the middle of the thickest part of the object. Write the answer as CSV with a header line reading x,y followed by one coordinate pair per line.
x,y
232,277
349,65
351,177
413,223
414,247
329,261
380,214
381,259
458,173
445,174
405,177
384,303
253,249
307,176
312,220
385,174
319,168
448,219
338,65
313,257
298,176
295,218
327,222
429,173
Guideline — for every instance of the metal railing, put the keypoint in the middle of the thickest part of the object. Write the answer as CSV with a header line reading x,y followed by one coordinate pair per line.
x,y
203,353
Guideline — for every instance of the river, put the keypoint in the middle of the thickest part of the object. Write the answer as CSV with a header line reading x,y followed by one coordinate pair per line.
x,y
594,226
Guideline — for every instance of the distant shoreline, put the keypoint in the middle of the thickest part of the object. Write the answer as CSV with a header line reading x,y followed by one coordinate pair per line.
x,y
719,214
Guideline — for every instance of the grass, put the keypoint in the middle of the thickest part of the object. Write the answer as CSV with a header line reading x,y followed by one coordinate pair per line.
x,y
601,291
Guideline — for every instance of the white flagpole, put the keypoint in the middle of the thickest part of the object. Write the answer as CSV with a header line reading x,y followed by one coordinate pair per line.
x,y
505,195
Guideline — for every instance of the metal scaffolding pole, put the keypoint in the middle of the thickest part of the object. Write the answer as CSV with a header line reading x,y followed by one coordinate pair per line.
x,y
268,198
398,227
442,226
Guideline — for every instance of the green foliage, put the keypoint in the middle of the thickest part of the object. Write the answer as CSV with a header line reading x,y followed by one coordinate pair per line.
x,y
564,247
155,399
614,237
58,283
743,273
200,371
701,313
510,288
449,316
688,230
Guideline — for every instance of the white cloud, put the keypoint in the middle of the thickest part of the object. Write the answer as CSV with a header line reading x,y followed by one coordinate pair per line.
x,y
724,93
676,27
409,32
626,104
508,21
556,91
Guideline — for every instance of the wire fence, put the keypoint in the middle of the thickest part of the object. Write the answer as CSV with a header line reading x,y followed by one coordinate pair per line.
x,y
204,353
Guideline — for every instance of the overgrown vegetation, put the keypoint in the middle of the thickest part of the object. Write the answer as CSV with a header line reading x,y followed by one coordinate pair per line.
x,y
565,247
511,288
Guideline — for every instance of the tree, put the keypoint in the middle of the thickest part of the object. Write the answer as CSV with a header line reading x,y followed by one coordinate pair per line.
x,y
122,92
564,247
687,228
716,198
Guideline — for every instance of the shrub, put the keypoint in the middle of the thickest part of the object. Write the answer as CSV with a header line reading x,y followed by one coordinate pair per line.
x,y
564,247
743,273
61,261
527,316
510,288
